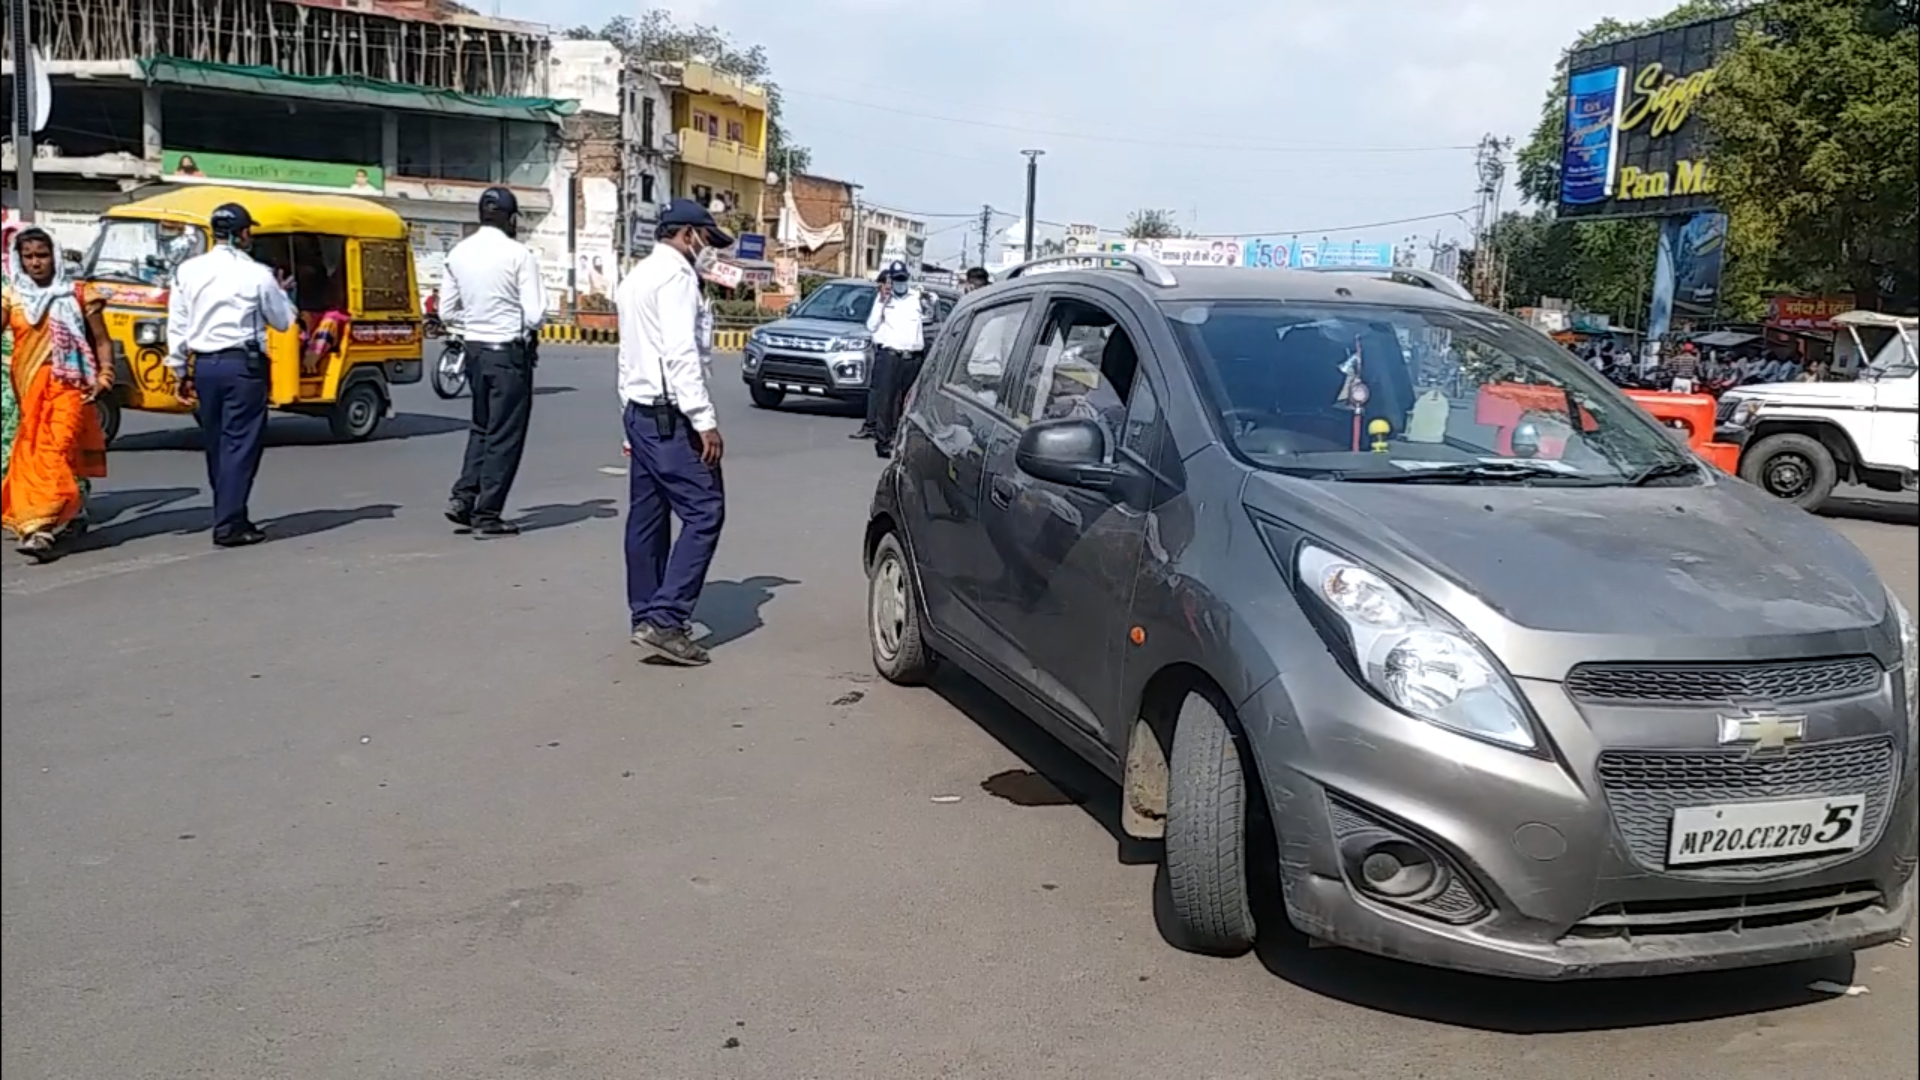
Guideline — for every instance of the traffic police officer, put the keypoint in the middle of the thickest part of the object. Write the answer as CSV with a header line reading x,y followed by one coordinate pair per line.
x,y
218,311
672,436
897,322
491,291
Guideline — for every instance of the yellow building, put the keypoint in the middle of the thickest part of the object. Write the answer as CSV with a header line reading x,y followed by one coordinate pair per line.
x,y
721,124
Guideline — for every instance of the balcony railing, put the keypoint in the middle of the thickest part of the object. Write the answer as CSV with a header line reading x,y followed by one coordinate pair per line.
x,y
721,155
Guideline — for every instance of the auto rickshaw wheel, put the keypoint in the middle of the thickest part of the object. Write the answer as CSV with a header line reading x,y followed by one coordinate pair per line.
x,y
357,415
107,411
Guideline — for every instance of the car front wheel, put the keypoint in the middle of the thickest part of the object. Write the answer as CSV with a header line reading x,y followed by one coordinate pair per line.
x,y
764,396
900,652
1206,886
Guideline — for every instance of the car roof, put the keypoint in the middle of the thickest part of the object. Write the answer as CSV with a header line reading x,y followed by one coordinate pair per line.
x,y
869,283
1239,283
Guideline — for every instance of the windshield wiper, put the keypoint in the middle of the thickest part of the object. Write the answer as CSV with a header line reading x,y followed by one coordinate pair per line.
x,y
1477,472
1663,471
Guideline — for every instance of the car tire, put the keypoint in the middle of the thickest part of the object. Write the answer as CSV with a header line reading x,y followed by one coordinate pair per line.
x,y
1792,467
107,411
900,652
1209,903
764,396
357,415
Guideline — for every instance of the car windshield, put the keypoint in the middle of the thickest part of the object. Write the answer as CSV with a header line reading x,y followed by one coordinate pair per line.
x,y
839,301
1388,394
141,251
1896,359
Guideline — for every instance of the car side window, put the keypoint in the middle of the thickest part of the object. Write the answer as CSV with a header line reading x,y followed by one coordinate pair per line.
x,y
1084,365
984,354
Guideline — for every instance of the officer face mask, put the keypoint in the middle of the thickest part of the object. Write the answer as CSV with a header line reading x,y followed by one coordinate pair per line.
x,y
899,287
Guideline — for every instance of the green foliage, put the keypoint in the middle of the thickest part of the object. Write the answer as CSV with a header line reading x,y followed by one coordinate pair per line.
x,y
1152,225
655,36
1815,119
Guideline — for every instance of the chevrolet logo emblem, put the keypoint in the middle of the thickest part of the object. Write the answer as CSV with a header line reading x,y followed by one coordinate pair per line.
x,y
1769,731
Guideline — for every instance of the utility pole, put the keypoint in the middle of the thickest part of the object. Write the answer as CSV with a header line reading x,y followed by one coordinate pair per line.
x,y
25,109
1490,170
986,232
1033,182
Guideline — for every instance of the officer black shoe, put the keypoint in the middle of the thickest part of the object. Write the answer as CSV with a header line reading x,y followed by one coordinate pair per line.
x,y
246,537
460,513
882,450
863,433
672,646
495,528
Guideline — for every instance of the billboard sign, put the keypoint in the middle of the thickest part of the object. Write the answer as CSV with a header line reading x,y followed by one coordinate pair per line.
x,y
195,166
1634,143
1806,312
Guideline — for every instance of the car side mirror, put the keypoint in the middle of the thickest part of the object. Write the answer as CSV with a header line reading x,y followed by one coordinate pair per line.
x,y
789,309
1071,452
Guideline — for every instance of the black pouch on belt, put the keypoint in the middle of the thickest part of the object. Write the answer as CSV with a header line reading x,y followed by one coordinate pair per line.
x,y
665,419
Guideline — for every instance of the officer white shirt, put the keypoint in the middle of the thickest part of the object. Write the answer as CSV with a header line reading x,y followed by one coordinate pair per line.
x,y
895,321
220,300
666,337
491,289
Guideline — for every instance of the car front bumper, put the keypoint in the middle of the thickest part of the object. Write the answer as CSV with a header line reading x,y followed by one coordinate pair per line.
x,y
1542,879
837,375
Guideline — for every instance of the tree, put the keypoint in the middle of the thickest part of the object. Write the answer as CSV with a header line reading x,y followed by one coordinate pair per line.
x,y
1152,225
655,37
1815,125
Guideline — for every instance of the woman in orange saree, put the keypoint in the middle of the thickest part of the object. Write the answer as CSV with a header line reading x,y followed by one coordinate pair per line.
x,y
54,374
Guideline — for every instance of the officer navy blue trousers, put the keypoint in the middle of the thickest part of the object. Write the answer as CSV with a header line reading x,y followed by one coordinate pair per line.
x,y
232,387
666,479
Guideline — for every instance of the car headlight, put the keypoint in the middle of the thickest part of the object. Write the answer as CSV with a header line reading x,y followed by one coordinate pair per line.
x,y
149,333
1743,413
1909,670
1415,657
850,344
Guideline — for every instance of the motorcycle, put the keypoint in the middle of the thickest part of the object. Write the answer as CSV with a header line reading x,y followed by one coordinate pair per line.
x,y
450,370
432,325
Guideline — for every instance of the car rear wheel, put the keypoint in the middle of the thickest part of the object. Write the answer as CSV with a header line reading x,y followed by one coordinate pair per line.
x,y
1209,901
1794,467
764,396
900,652
357,415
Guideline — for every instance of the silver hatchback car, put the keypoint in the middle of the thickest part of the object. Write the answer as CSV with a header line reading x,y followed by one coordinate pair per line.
x,y
1385,589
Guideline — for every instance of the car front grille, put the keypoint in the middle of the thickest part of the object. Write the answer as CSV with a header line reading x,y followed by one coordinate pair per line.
x,y
795,344
1773,682
800,370
1725,914
1645,787
1725,412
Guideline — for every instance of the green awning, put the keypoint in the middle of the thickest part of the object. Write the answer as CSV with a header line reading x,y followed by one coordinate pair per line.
x,y
376,93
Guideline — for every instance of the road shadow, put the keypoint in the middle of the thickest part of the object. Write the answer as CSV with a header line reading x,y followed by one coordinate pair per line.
x,y
190,520
106,507
292,431
543,391
1057,776
1884,511
1509,1006
731,609
556,515
812,406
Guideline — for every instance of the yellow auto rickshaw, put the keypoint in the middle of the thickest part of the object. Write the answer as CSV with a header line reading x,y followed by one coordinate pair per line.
x,y
359,328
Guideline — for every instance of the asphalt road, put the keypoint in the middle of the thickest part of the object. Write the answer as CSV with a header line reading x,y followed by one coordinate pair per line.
x,y
375,800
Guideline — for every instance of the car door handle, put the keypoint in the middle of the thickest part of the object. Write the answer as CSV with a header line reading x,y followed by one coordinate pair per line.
x,y
1000,490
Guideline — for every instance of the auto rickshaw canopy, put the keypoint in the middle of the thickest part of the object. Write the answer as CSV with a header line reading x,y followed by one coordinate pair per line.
x,y
272,211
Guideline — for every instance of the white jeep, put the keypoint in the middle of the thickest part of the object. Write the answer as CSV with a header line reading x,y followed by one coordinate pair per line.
x,y
1798,440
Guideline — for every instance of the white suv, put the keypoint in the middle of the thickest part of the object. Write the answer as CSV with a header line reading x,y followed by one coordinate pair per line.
x,y
1799,440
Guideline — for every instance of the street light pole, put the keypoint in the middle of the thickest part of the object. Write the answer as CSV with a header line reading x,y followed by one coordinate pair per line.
x,y
1033,180
24,106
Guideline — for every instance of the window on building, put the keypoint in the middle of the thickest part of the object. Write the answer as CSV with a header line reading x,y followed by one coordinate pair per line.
x,y
876,247
700,122
646,188
736,131
646,124
702,194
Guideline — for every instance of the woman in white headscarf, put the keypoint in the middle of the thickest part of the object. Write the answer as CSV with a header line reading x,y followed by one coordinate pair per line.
x,y
61,361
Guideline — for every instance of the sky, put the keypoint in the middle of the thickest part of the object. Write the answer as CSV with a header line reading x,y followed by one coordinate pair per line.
x,y
1337,118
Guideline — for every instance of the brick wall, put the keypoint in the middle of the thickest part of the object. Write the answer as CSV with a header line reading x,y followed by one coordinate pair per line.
x,y
821,202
